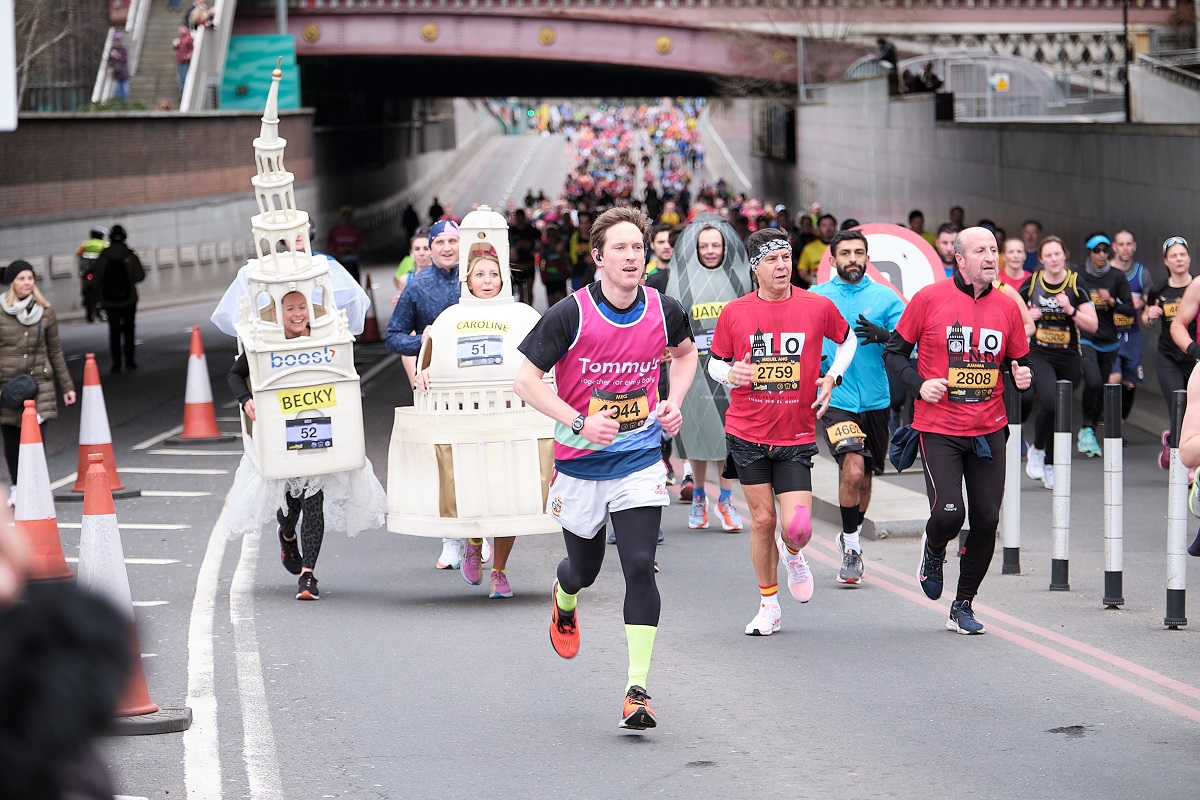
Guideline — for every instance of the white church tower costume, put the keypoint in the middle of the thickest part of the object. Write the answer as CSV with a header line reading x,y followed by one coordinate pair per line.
x,y
470,459
308,431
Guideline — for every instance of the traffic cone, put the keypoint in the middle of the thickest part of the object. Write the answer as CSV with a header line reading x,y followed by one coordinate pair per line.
x,y
199,416
102,570
95,438
370,322
35,504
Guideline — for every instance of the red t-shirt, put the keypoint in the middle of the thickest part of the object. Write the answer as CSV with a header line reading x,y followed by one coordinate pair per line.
x,y
963,340
784,340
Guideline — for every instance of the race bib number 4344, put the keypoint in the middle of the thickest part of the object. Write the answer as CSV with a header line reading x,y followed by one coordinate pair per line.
x,y
633,408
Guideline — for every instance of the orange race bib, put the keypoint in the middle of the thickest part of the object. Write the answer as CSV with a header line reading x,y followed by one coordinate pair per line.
x,y
1055,337
845,434
973,381
1170,310
1122,320
775,373
633,408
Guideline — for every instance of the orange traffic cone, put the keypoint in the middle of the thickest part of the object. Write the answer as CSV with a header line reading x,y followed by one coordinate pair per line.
x,y
35,503
94,434
102,570
370,322
199,416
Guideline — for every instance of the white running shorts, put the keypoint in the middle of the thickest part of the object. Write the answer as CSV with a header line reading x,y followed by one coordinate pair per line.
x,y
582,507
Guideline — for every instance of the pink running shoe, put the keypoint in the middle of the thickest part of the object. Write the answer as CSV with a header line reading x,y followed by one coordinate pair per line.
x,y
799,577
500,587
799,530
1164,456
471,560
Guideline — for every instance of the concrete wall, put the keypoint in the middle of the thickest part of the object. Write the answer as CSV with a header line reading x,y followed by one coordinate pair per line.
x,y
1154,98
730,119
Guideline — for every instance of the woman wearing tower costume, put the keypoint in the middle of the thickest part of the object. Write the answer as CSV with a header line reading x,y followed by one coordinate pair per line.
x,y
710,267
295,315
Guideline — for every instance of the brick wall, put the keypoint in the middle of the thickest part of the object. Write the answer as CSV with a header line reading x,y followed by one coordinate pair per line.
x,y
71,163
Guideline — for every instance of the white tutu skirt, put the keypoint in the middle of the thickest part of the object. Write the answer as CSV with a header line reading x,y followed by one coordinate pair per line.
x,y
354,500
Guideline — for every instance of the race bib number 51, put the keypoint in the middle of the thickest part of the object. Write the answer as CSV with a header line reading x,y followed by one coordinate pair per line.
x,y
633,408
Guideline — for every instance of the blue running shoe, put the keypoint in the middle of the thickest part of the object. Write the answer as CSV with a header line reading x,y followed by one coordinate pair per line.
x,y
962,619
611,536
660,535
930,573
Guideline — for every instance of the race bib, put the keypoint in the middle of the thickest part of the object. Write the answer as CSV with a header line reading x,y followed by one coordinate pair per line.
x,y
1122,320
480,351
775,373
1170,310
1054,337
973,381
844,435
313,433
704,341
633,408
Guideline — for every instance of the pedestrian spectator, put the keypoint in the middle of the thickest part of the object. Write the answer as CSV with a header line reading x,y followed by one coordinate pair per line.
x,y
183,45
200,16
929,80
118,67
88,252
410,221
118,270
810,256
29,345
435,211
885,56
346,242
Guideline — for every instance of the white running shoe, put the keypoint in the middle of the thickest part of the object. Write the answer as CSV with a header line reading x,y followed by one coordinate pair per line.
x,y
799,577
1048,476
1035,463
452,553
766,621
487,552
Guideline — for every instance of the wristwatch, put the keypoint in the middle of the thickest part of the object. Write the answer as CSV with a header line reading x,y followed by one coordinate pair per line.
x,y
837,379
577,423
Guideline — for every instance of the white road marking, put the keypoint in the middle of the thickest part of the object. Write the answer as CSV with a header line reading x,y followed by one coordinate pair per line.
x,y
172,471
136,526
150,562
258,738
172,493
195,452
149,603
149,655
61,482
201,757
379,367
129,797
153,440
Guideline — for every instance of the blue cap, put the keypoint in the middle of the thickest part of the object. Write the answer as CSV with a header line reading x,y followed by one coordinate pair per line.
x,y
1097,240
442,226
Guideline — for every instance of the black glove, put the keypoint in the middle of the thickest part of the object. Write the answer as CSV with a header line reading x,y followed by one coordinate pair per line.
x,y
870,333
1193,349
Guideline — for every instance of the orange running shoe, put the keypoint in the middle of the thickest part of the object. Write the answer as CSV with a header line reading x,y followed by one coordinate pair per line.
x,y
638,716
564,628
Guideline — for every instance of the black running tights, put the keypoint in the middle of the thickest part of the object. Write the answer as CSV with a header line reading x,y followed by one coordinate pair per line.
x,y
637,540
1096,366
1048,369
948,460
312,527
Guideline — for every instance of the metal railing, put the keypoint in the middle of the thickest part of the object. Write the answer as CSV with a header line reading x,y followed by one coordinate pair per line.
x,y
1171,66
135,31
374,6
202,87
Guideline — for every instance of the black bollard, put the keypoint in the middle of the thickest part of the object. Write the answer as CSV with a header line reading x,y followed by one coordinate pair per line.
x,y
1177,489
1114,498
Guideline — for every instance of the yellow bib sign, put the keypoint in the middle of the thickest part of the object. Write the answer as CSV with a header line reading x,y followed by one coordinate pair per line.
x,y
307,398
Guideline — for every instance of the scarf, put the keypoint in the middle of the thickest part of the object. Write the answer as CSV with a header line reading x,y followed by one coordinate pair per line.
x,y
27,311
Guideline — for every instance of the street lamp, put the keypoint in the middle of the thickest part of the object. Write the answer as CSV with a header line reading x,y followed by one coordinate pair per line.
x,y
1128,55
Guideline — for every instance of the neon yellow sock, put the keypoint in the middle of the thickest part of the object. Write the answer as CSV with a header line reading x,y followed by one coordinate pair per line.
x,y
641,646
565,601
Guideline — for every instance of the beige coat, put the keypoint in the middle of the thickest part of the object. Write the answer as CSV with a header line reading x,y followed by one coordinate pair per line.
x,y
17,342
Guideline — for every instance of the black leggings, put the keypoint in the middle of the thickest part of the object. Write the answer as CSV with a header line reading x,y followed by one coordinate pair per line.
x,y
312,527
1172,376
1097,366
1047,370
12,447
948,460
637,540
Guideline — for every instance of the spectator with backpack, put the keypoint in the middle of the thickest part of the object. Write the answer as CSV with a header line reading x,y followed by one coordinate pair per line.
x,y
117,271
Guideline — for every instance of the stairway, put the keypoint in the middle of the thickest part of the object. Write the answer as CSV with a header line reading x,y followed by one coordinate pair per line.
x,y
155,80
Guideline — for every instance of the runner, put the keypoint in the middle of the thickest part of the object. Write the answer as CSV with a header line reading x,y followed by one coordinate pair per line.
x,y
765,350
1060,309
856,423
1111,296
605,343
968,336
707,272
1128,371
1166,301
